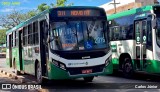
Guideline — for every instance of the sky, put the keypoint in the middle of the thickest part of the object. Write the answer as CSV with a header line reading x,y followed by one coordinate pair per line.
x,y
6,6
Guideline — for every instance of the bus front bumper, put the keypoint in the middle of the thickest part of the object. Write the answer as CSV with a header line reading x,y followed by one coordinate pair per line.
x,y
70,73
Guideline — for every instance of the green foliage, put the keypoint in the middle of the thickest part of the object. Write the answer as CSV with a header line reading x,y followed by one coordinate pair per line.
x,y
59,3
43,7
2,36
31,13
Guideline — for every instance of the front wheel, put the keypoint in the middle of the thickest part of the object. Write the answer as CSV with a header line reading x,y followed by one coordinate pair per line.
x,y
39,74
127,68
88,79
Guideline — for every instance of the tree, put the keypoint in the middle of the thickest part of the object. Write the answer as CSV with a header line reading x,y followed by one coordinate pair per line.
x,y
60,3
43,7
13,19
2,36
10,20
30,14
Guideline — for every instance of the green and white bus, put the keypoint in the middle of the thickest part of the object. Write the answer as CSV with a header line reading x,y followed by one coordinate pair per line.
x,y
61,43
135,40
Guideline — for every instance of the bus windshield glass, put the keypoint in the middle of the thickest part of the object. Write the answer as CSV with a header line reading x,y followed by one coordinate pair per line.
x,y
78,35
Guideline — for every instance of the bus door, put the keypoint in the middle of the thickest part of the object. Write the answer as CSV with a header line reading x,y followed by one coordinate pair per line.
x,y
20,48
44,46
140,36
10,50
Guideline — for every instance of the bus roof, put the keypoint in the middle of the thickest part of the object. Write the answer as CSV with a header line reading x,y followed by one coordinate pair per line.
x,y
28,21
131,11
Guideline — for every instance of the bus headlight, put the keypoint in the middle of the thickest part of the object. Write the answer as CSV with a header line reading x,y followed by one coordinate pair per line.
x,y
62,66
55,62
108,60
59,64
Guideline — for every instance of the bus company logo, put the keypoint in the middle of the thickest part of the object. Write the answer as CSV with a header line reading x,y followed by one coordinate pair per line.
x,y
69,64
84,63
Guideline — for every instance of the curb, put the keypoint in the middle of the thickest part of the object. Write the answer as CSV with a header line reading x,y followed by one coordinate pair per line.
x,y
13,76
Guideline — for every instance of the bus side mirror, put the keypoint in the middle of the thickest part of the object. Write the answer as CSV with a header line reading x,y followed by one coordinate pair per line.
x,y
48,40
153,19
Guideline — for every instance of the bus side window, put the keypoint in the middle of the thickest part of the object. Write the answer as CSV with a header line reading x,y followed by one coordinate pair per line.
x,y
25,36
35,35
116,33
30,34
129,34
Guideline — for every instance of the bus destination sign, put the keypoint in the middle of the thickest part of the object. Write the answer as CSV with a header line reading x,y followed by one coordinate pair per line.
x,y
74,13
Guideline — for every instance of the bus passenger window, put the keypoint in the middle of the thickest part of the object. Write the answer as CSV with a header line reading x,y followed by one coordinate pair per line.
x,y
116,33
111,33
30,34
35,33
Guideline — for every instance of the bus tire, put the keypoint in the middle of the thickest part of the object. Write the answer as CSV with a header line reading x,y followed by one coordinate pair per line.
x,y
88,79
38,74
127,68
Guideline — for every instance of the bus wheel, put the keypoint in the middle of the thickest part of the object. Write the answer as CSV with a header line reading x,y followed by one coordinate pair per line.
x,y
88,79
39,73
127,68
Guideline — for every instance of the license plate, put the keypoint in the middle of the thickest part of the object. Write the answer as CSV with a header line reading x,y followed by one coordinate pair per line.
x,y
86,71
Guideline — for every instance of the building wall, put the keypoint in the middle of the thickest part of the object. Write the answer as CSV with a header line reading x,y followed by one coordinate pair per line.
x,y
126,5
109,6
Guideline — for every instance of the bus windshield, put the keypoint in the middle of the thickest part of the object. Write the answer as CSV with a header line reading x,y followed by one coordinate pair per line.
x,y
78,35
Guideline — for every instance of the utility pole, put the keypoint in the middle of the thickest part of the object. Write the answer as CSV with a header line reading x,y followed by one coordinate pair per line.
x,y
114,3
